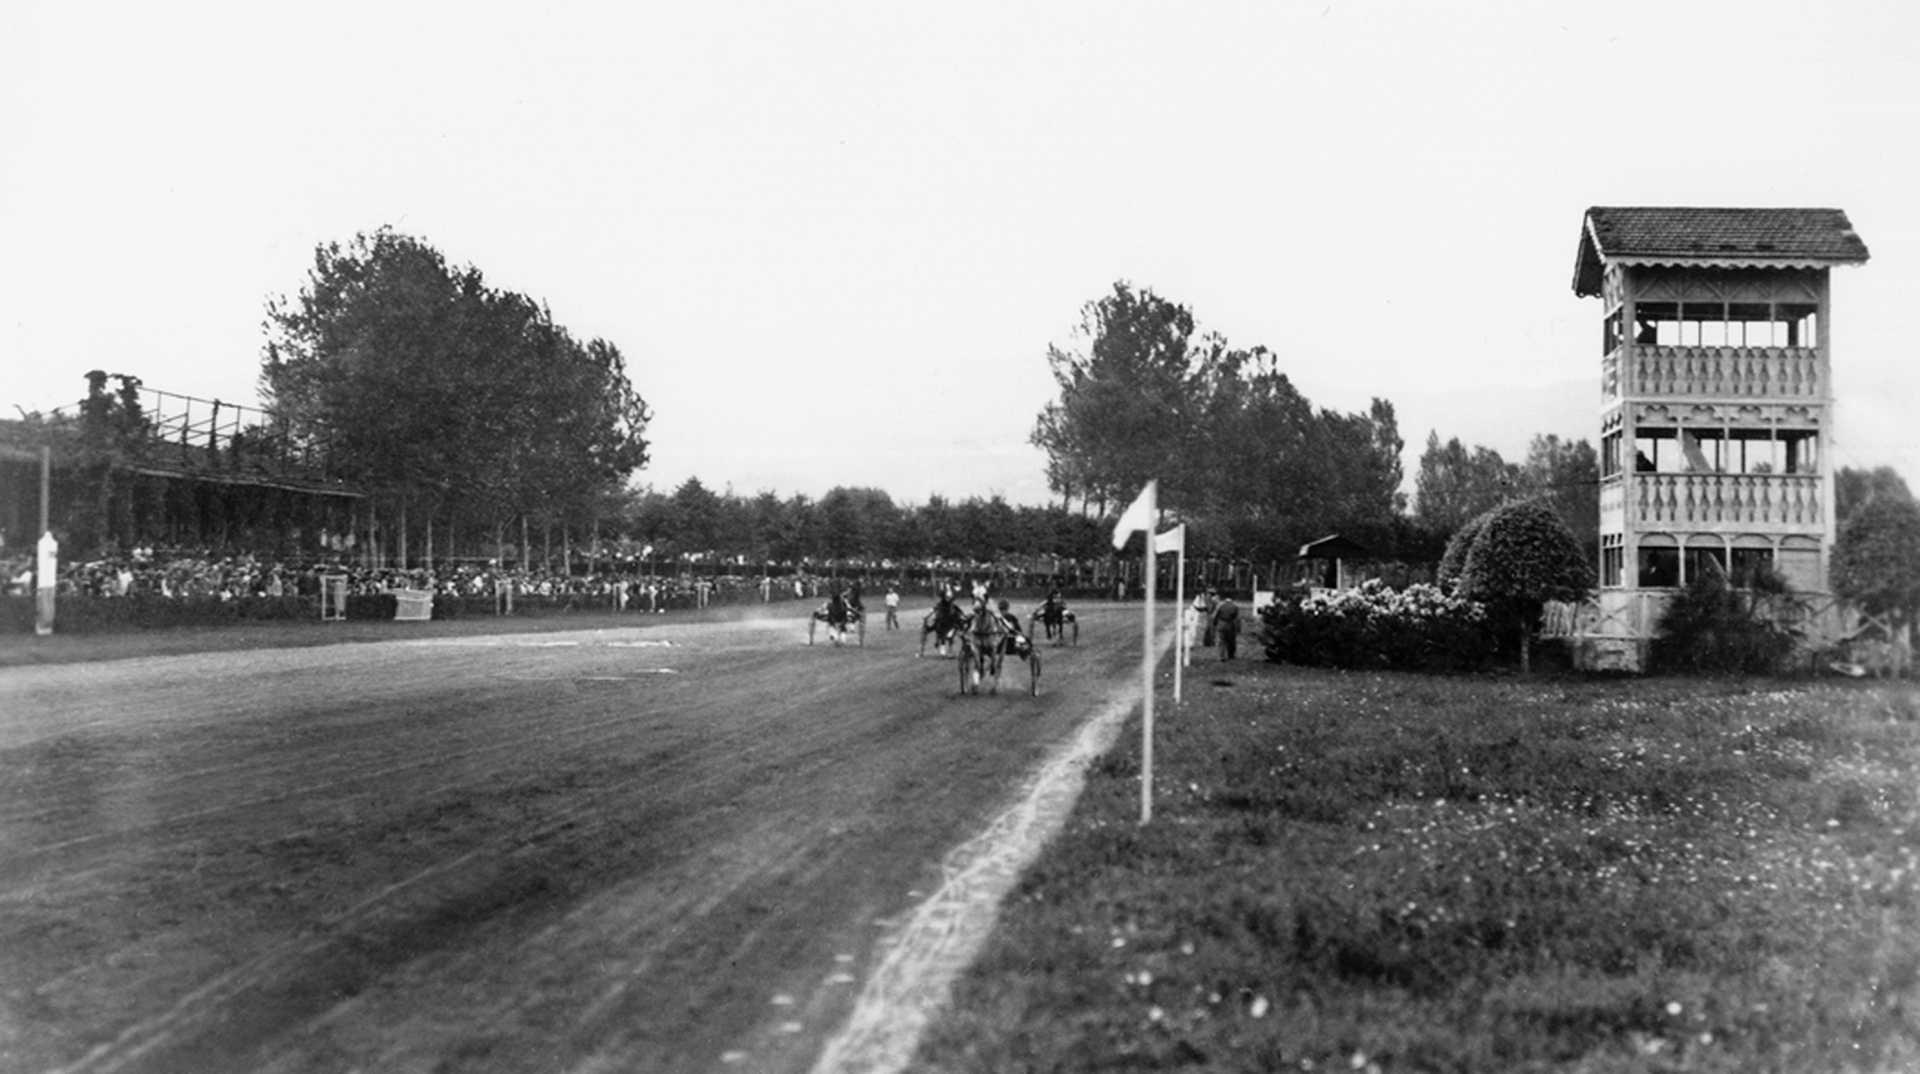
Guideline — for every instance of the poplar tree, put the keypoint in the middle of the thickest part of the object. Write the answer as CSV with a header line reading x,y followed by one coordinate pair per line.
x,y
427,387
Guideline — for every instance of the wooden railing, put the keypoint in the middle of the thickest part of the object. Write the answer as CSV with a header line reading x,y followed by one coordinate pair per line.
x,y
1760,501
1737,372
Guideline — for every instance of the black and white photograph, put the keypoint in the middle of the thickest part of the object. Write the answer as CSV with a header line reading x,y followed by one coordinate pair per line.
x,y
859,538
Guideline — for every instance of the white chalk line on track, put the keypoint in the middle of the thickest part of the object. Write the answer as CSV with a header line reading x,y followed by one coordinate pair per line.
x,y
940,939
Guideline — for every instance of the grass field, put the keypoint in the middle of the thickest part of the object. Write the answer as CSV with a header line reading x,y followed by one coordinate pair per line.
x,y
1358,872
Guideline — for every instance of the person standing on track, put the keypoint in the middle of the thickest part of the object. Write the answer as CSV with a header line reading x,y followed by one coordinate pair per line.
x,y
893,608
1226,625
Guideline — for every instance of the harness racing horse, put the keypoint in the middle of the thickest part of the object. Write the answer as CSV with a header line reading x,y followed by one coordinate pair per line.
x,y
943,622
842,617
980,654
1055,619
985,643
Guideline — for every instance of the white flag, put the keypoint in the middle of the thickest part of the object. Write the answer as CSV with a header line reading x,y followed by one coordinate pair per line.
x,y
1174,540
1137,518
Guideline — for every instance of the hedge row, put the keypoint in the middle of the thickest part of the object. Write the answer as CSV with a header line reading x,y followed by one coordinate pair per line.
x,y
1420,628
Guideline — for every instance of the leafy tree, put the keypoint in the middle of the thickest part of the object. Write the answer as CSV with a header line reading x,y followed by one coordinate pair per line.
x,y
1524,556
1566,474
1237,450
696,518
1454,560
1455,484
803,536
856,522
1128,402
1852,487
936,528
426,386
1876,560
766,536
1299,473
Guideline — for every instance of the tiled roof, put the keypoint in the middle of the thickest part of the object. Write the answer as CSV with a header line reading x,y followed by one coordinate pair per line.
x,y
1713,235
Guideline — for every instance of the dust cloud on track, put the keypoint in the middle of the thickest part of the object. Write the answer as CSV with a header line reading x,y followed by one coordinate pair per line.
x,y
674,846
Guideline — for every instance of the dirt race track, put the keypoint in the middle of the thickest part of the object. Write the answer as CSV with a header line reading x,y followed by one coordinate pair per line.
x,y
666,845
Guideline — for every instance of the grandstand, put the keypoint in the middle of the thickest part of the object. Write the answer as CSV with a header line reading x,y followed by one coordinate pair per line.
x,y
141,465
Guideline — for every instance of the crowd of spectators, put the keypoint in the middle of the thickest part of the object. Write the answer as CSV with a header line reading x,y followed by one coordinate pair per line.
x,y
235,575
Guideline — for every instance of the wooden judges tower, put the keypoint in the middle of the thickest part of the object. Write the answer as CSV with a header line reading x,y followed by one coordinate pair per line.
x,y
1716,403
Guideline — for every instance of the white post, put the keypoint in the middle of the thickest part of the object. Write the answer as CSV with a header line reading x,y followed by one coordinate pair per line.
x,y
1146,672
46,581
1143,515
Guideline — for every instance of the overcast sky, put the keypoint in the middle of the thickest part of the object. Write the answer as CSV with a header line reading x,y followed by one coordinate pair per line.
x,y
787,216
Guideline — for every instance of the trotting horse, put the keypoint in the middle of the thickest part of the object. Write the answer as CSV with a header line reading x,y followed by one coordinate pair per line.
x,y
843,617
985,644
942,623
980,645
1055,619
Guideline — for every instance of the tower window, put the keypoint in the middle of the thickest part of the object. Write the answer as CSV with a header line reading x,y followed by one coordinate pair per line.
x,y
1706,562
1725,324
1750,563
1659,566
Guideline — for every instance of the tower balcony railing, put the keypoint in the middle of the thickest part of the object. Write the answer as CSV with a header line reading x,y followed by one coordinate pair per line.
x,y
1766,502
1742,372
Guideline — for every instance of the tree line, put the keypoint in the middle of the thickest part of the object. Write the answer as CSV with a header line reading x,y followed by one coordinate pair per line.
x,y
1249,463
849,525
441,396
1240,454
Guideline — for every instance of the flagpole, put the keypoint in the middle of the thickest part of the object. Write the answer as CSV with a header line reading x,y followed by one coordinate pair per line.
x,y
1146,674
1144,515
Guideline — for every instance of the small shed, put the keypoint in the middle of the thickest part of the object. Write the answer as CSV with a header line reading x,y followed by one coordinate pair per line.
x,y
1324,562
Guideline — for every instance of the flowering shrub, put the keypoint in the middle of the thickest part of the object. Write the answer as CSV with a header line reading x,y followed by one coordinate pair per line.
x,y
1421,627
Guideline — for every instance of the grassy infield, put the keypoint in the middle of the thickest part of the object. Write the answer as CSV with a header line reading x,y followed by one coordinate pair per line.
x,y
1376,871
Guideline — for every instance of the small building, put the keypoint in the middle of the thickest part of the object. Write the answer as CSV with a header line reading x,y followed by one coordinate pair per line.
x,y
1716,402
1324,563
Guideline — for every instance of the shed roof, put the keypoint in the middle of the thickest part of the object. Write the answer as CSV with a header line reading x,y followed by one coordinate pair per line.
x,y
1334,546
1719,237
